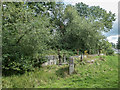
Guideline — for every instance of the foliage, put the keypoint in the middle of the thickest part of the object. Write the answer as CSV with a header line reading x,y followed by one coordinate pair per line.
x,y
98,16
76,34
67,53
23,34
101,21
32,30
113,45
109,52
118,43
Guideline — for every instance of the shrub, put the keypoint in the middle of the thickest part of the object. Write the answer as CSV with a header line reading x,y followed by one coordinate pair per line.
x,y
109,52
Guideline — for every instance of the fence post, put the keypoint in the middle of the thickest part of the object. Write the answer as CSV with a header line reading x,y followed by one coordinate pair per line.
x,y
64,58
71,65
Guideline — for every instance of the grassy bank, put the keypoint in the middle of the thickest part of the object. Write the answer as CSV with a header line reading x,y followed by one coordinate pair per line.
x,y
100,74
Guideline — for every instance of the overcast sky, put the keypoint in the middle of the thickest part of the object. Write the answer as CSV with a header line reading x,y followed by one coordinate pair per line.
x,y
109,5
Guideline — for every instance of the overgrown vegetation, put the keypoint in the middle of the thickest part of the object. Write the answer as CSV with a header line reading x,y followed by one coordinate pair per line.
x,y
100,74
31,30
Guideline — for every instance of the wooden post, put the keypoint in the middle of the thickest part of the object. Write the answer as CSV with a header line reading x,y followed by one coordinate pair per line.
x,y
59,56
71,65
64,58
81,57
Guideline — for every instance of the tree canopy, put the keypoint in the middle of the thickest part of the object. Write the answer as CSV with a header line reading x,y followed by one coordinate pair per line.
x,y
31,29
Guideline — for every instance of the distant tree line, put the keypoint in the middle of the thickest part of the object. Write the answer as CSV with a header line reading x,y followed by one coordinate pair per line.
x,y
118,43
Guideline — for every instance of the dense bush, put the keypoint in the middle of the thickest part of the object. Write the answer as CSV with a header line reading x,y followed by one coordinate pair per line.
x,y
109,52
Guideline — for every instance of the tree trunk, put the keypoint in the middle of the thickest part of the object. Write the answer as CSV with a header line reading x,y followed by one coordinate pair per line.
x,y
99,52
77,51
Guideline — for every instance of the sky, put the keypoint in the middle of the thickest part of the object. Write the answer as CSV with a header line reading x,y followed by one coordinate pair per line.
x,y
109,5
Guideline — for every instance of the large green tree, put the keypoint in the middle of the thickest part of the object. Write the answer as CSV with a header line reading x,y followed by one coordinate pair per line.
x,y
101,19
25,36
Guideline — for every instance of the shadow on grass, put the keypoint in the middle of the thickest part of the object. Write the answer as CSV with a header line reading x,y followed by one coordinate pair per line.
x,y
62,72
11,72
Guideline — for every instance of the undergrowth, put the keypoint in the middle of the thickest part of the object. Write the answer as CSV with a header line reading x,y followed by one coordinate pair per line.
x,y
100,74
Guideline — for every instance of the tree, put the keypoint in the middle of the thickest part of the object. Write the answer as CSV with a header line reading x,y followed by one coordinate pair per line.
x,y
113,45
118,43
25,36
98,16
100,19
76,34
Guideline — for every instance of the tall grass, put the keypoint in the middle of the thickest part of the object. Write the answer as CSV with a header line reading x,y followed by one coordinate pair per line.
x,y
100,74
39,77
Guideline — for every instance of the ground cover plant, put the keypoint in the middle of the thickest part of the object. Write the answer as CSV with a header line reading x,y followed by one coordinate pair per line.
x,y
100,74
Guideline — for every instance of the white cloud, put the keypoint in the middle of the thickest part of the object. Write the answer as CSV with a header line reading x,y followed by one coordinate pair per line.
x,y
113,38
